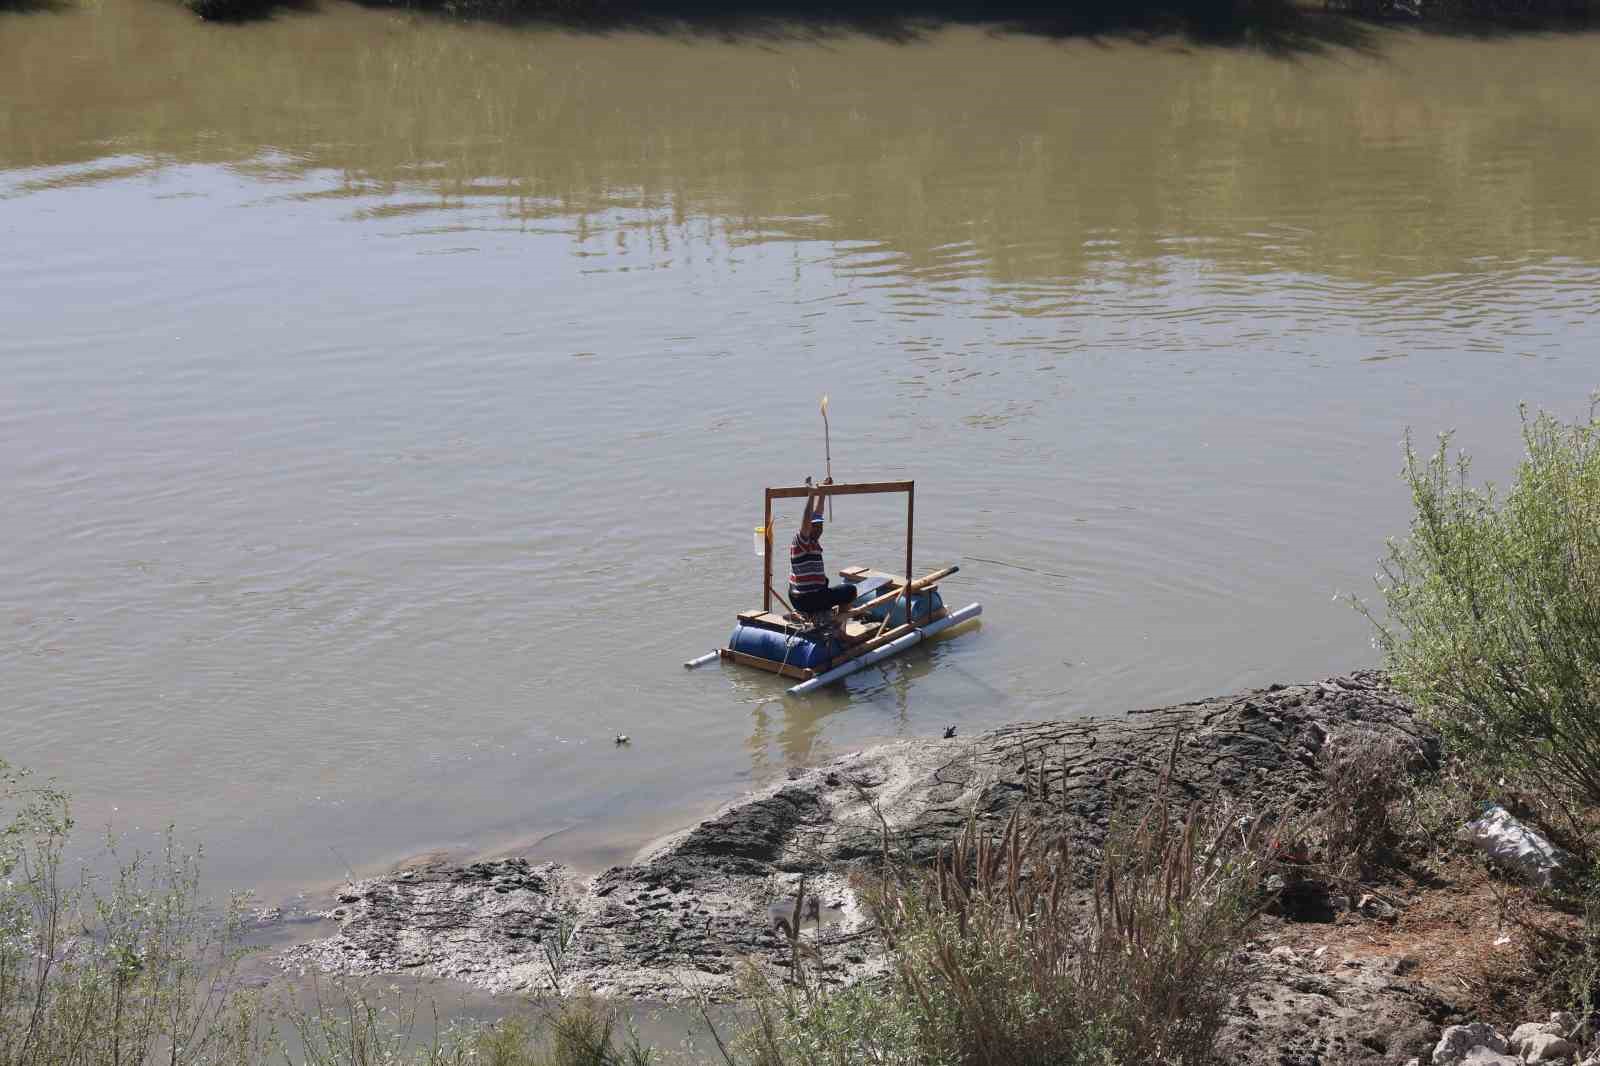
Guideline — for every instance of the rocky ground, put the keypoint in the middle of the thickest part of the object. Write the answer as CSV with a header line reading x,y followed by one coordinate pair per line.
x,y
689,914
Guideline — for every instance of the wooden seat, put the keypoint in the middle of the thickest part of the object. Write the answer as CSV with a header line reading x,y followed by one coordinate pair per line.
x,y
768,620
852,632
790,623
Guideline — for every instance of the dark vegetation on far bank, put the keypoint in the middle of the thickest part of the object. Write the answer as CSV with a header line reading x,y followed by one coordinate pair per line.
x,y
1274,25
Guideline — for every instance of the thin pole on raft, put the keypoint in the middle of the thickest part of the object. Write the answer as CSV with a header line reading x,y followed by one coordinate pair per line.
x,y
894,647
911,514
766,555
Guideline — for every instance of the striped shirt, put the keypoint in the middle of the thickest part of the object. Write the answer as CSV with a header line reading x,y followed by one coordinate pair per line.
x,y
806,571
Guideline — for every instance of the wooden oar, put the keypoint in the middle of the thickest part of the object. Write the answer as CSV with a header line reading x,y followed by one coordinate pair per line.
x,y
827,450
899,590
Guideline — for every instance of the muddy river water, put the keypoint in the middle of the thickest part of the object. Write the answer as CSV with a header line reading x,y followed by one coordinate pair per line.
x,y
386,402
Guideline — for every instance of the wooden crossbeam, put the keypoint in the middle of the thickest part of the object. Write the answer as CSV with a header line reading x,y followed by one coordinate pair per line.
x,y
800,492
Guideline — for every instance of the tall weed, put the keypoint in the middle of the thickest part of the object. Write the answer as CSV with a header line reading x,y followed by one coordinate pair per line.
x,y
1365,777
995,959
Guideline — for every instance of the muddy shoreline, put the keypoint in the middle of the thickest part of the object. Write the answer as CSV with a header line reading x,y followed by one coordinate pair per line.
x,y
690,914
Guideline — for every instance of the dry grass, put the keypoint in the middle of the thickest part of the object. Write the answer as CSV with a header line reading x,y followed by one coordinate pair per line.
x,y
1364,779
996,959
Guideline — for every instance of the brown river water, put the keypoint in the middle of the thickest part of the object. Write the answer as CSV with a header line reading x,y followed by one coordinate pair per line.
x,y
386,403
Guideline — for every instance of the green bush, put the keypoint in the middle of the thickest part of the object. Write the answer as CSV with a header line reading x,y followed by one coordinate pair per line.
x,y
1493,620
996,960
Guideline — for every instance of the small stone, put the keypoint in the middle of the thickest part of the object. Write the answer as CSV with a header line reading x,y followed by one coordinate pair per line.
x,y
1547,1047
1457,1040
1482,1056
1527,1031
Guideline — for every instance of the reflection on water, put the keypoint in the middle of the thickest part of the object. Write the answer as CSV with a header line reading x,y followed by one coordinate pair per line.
x,y
1015,160
791,731
386,399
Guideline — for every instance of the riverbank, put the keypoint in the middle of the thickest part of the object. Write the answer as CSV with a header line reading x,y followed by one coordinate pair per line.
x,y
1348,978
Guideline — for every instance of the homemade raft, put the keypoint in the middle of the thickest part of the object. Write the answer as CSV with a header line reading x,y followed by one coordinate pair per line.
x,y
888,615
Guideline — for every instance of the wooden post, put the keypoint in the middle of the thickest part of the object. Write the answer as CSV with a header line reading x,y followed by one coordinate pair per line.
x,y
766,555
911,514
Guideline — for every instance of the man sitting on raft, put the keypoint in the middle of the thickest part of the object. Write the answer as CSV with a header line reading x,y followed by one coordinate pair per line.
x,y
808,577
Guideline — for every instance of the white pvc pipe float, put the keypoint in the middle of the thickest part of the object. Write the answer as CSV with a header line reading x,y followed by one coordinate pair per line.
x,y
702,660
894,647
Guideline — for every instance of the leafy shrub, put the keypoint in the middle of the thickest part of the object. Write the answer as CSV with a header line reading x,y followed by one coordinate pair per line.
x,y
995,958
1493,620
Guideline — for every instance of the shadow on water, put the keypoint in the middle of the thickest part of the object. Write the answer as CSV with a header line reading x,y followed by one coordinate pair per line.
x,y
1286,28
245,12
1276,27
1496,26
33,7
791,731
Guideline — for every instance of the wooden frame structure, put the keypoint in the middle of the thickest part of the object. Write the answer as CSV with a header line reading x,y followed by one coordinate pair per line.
x,y
804,492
